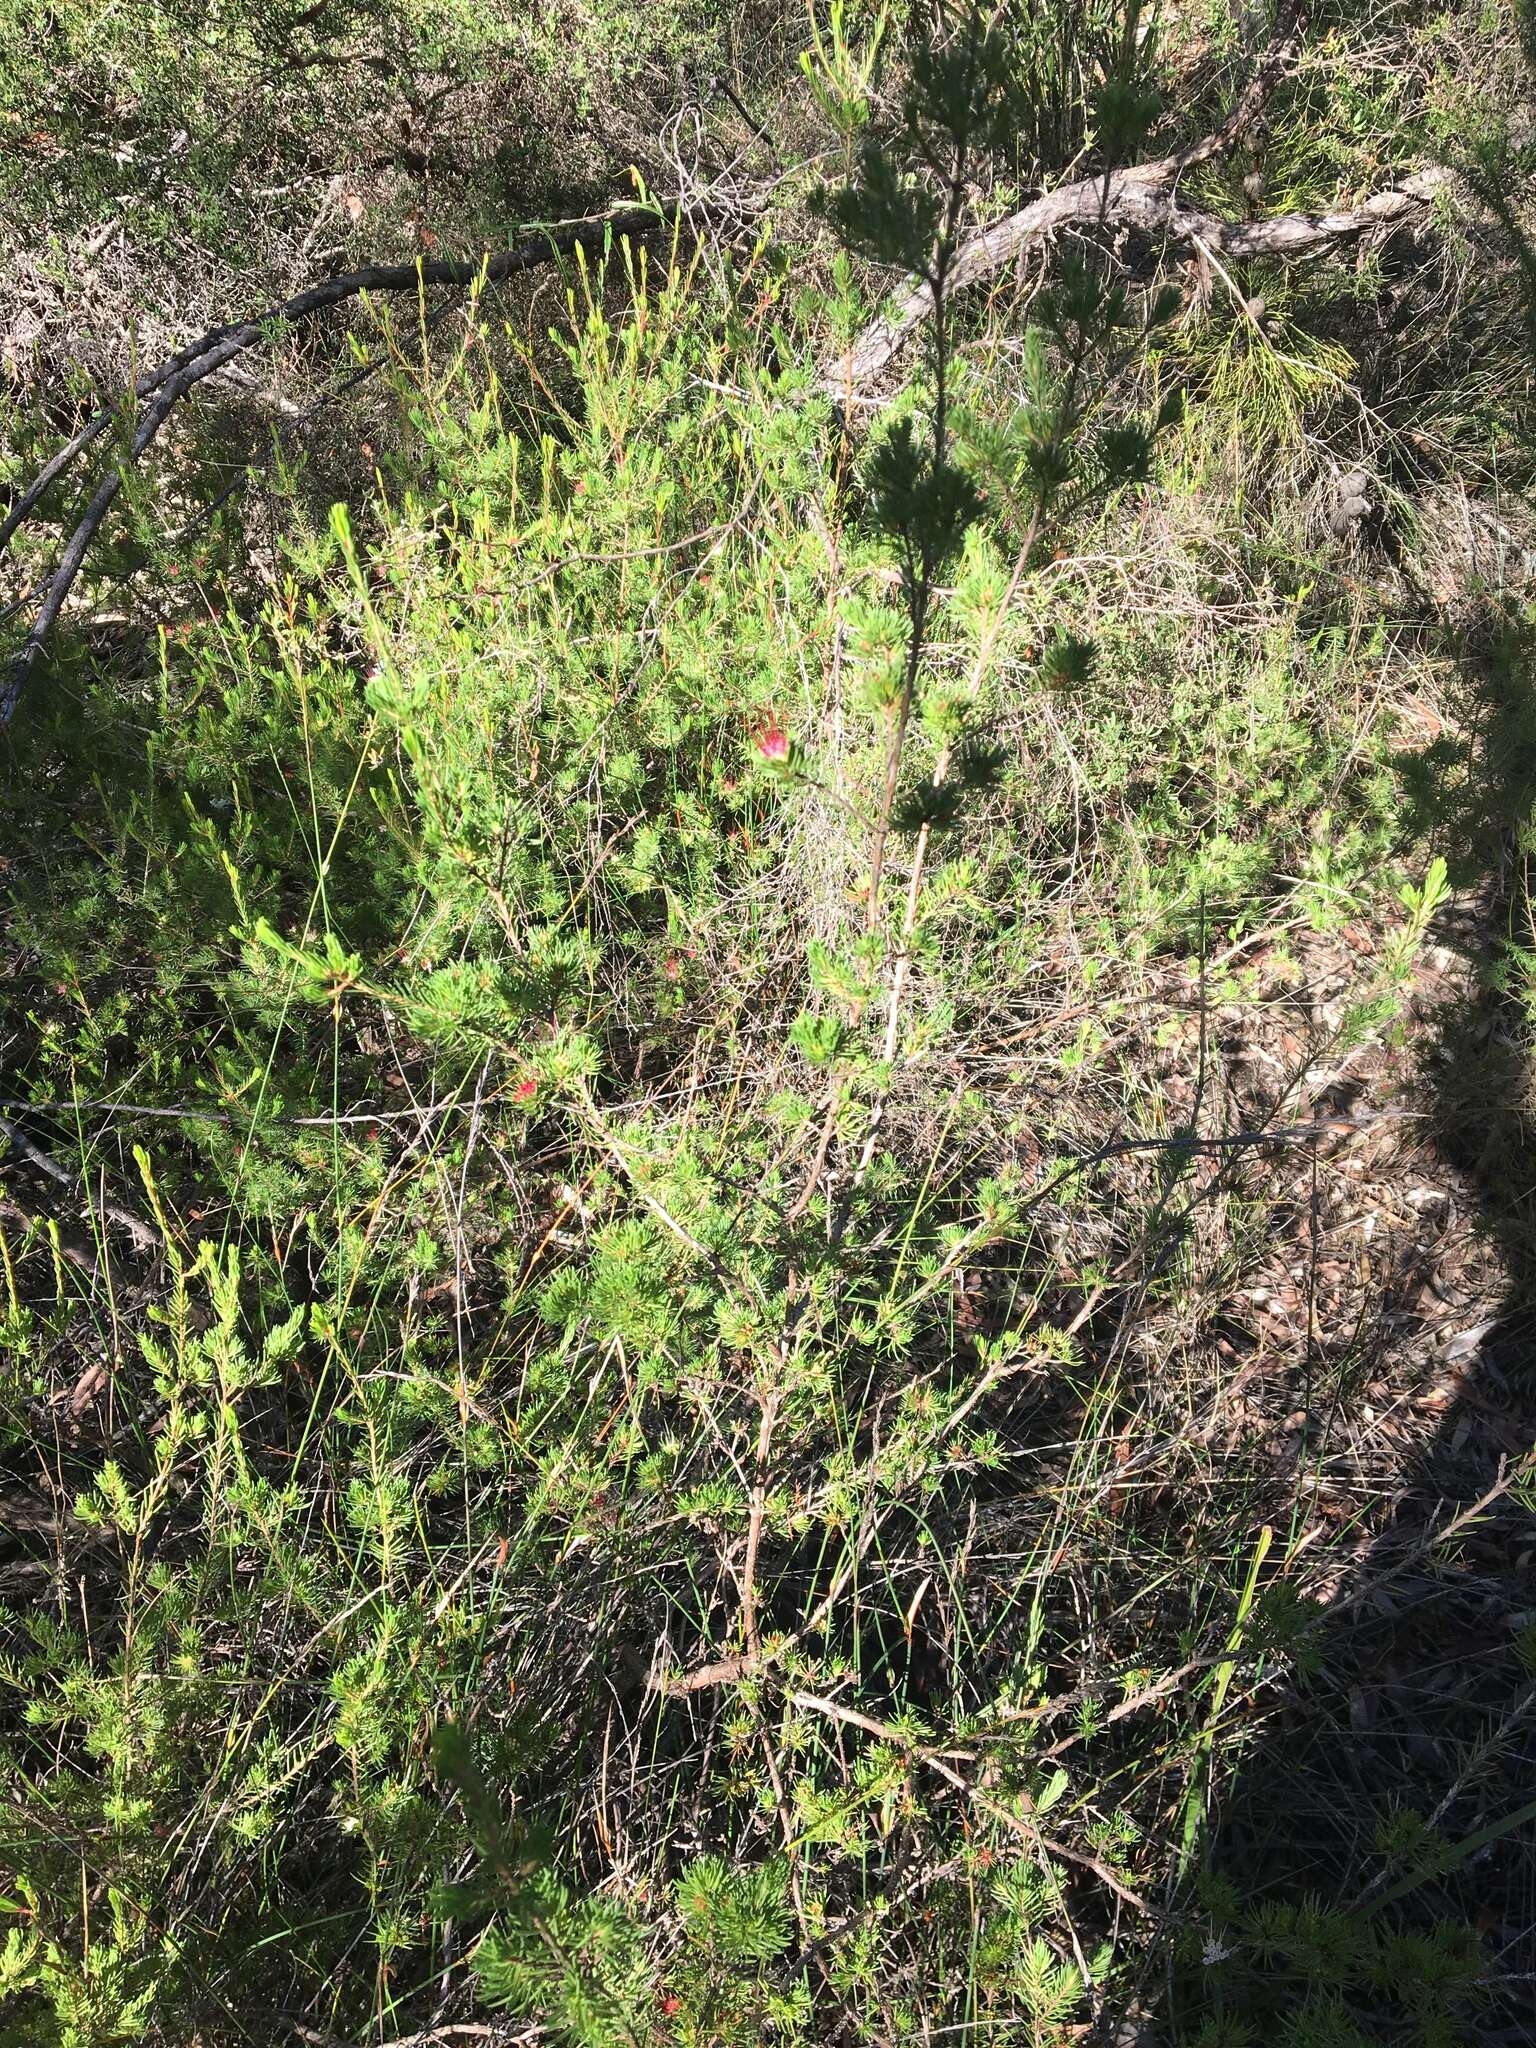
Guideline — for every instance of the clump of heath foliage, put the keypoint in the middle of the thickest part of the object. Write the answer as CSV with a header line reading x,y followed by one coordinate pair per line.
x,y
583,1500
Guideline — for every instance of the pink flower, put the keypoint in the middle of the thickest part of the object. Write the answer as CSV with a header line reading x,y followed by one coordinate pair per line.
x,y
771,741
673,968
525,1091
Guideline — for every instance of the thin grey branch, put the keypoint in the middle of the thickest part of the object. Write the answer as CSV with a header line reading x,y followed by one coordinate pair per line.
x,y
1144,197
175,377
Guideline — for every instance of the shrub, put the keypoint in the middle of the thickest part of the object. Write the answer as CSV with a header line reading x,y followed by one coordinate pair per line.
x,y
546,964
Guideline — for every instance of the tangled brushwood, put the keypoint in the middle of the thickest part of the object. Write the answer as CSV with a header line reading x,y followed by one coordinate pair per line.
x,y
763,1055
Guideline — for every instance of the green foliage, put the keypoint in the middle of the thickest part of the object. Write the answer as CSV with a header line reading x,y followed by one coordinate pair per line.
x,y
576,1965
1317,1972
605,1453
736,1916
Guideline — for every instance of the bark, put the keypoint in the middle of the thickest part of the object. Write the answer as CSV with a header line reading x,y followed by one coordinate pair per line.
x,y
1145,198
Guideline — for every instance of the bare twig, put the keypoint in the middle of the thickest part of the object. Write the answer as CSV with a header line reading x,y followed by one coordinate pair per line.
x,y
936,1760
466,2030
759,1502
143,1236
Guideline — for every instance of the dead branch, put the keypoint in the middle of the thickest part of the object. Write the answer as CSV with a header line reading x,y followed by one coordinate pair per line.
x,y
171,380
1284,48
1143,197
143,1236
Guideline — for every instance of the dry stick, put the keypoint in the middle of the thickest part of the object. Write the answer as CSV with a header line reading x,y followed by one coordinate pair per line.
x,y
755,1512
145,387
1142,195
727,1670
177,376
558,238
73,558
1026,1829
70,1247
143,1236
259,458
1284,49
1136,198
469,2030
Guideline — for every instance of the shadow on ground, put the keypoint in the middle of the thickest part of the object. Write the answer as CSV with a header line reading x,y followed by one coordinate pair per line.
x,y
1370,1876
